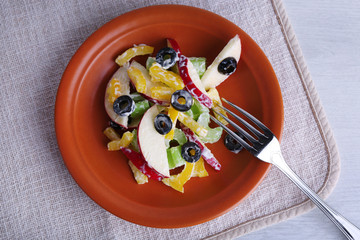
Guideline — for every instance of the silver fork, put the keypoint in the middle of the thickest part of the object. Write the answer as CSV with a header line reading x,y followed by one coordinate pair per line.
x,y
266,147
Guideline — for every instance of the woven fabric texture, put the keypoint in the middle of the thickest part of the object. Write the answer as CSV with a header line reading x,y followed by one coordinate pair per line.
x,y
38,197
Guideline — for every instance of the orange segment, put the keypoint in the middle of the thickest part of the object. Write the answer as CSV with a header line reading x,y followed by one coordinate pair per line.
x,y
215,97
111,134
125,140
171,79
177,181
161,93
199,169
173,114
140,178
192,124
132,52
137,78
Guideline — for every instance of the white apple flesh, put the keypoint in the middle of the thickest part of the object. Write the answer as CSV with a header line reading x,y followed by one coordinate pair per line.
x,y
124,80
212,77
149,84
152,144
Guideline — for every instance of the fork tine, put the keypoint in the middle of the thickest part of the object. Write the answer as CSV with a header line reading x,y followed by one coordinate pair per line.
x,y
241,130
235,136
249,116
246,124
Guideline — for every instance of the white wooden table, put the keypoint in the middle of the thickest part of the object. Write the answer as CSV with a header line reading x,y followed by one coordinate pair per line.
x,y
329,34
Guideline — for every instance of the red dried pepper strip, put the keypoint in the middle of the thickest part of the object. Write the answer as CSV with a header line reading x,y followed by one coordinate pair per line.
x,y
138,160
205,152
190,85
183,62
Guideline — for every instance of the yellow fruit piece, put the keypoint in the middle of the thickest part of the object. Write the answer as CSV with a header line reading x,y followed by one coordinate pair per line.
x,y
171,79
132,52
161,93
215,97
114,90
192,124
137,78
111,134
173,114
140,178
125,140
200,170
177,181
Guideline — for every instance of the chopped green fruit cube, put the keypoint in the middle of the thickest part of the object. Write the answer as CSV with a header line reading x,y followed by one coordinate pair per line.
x,y
149,62
136,97
199,65
140,109
174,157
134,143
179,136
213,134
204,119
197,109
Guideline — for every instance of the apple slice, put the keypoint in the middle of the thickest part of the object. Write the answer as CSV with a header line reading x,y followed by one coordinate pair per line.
x,y
212,77
138,160
215,97
118,85
149,85
152,144
190,77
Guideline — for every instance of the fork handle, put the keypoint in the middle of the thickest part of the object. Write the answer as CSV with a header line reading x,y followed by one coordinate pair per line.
x,y
346,227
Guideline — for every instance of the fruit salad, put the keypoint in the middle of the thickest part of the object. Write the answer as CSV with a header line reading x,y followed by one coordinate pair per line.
x,y
160,111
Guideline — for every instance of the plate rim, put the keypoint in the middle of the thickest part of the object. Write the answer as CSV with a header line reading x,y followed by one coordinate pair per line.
x,y
59,111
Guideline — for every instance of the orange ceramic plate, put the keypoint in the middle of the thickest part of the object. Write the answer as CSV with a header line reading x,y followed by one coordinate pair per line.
x,y
80,117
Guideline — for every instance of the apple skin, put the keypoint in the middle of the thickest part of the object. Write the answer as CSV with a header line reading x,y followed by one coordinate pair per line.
x,y
152,144
205,152
190,78
149,85
122,76
138,160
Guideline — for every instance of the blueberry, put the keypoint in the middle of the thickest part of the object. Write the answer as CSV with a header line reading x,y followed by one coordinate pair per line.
x,y
227,66
181,100
167,57
162,123
124,105
232,144
191,152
